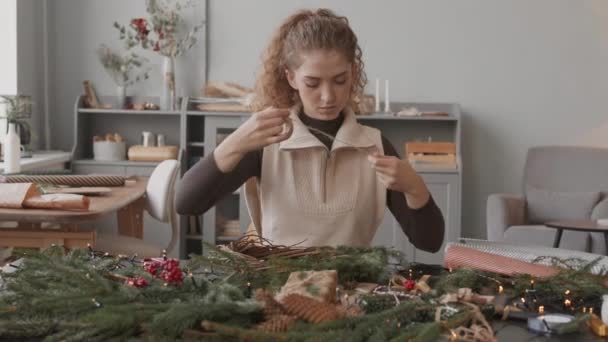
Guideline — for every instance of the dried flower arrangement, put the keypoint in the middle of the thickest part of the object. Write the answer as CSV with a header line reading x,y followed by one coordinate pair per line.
x,y
123,68
171,37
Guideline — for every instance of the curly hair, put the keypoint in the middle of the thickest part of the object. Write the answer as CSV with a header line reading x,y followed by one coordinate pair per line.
x,y
306,30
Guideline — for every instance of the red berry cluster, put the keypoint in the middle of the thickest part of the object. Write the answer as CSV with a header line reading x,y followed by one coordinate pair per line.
x,y
171,273
152,266
141,27
137,282
167,270
409,284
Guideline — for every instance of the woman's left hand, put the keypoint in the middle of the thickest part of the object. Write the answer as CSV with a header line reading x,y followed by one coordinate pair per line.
x,y
398,175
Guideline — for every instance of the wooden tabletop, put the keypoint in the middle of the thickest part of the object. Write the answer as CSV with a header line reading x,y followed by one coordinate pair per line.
x,y
580,225
100,206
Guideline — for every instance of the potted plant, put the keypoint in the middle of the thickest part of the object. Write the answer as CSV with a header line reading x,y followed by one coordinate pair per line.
x,y
18,112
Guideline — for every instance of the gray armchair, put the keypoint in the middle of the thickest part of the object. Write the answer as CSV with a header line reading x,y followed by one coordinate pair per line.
x,y
560,183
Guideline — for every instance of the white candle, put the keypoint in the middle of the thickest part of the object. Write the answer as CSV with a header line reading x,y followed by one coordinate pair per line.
x,y
387,102
377,95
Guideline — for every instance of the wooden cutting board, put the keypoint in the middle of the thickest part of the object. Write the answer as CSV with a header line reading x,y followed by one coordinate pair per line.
x,y
79,191
152,153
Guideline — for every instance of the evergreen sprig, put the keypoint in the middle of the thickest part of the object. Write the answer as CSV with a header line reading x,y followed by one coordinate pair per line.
x,y
81,295
77,297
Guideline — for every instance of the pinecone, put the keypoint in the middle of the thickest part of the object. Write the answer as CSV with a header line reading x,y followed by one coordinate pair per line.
x,y
309,309
271,306
350,311
277,323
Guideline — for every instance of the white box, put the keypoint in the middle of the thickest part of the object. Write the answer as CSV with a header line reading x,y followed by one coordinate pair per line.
x,y
109,150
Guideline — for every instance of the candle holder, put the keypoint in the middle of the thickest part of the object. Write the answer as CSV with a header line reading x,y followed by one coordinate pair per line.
x,y
548,324
597,326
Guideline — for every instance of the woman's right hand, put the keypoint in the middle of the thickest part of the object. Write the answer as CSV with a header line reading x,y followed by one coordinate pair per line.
x,y
267,127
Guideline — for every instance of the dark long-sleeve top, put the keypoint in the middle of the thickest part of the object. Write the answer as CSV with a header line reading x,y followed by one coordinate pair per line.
x,y
204,184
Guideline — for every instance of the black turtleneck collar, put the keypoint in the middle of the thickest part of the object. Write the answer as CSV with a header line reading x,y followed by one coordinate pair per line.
x,y
330,127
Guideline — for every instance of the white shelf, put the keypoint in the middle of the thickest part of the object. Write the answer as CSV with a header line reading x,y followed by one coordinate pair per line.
x,y
111,111
216,113
114,163
43,160
381,116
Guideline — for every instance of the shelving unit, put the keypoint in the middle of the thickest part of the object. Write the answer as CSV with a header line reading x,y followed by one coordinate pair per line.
x,y
197,134
444,184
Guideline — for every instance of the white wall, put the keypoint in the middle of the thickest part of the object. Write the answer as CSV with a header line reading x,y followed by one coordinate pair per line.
x,y
8,59
525,72
8,42
30,75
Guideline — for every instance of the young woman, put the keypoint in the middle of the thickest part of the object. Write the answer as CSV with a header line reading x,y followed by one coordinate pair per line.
x,y
322,178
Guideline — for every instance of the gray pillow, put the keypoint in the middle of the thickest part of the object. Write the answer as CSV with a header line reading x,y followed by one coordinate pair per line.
x,y
600,211
544,205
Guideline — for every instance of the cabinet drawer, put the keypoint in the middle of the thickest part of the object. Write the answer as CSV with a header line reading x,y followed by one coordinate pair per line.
x,y
145,171
103,169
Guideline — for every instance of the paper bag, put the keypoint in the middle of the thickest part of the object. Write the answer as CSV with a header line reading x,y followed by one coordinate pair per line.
x,y
12,195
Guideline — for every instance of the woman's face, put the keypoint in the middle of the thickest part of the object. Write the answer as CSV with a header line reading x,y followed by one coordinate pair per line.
x,y
323,81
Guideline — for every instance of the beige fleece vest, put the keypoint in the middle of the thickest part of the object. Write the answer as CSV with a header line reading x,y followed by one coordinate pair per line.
x,y
311,196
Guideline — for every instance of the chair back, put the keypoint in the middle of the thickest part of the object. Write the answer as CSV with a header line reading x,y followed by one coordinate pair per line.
x,y
567,168
160,190
564,182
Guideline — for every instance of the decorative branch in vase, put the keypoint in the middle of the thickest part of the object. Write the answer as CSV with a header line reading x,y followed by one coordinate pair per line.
x,y
165,32
18,108
17,112
123,69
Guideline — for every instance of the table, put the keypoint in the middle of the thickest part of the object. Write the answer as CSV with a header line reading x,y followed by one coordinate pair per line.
x,y
518,331
127,202
577,225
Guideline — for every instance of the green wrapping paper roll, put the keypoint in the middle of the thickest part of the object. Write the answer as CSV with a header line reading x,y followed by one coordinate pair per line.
x,y
68,180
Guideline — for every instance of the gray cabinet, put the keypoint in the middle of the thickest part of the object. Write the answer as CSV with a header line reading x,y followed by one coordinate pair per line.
x,y
229,218
444,184
198,133
445,189
129,124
